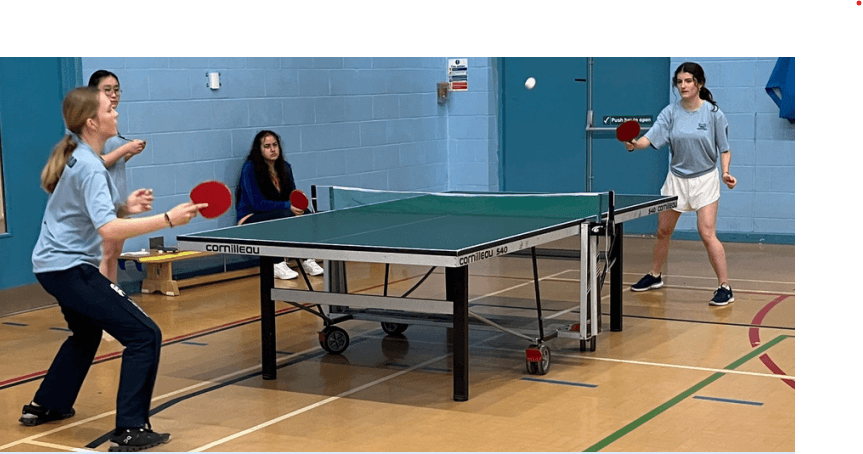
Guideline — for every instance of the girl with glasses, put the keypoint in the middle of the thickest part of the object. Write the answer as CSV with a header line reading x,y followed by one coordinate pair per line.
x,y
117,151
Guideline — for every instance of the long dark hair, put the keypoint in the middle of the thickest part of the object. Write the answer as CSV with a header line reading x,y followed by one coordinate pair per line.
x,y
262,172
97,77
698,74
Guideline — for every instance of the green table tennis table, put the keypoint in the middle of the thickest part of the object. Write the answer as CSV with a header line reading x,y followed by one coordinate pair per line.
x,y
452,230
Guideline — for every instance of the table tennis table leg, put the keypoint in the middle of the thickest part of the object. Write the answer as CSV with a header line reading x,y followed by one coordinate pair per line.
x,y
456,291
268,319
616,290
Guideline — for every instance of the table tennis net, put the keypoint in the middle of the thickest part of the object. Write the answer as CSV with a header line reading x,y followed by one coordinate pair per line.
x,y
569,205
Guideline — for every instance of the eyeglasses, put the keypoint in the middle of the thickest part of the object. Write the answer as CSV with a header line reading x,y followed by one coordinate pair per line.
x,y
112,90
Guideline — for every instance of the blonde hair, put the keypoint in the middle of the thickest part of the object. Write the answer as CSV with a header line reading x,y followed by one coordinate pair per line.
x,y
79,105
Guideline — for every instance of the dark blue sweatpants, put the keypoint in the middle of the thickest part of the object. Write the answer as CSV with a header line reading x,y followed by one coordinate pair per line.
x,y
92,303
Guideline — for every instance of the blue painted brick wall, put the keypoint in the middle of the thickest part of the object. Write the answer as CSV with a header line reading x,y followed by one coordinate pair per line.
x,y
375,122
473,129
370,122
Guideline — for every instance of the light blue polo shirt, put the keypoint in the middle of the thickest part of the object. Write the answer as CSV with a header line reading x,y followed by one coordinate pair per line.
x,y
118,170
84,200
695,139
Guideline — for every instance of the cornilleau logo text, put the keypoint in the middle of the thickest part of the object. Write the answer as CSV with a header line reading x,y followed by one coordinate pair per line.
x,y
477,256
661,208
233,249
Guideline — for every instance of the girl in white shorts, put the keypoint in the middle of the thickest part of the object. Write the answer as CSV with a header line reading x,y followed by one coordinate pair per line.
x,y
696,132
692,193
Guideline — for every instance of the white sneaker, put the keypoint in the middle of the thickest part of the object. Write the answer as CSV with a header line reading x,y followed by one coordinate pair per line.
x,y
312,268
283,271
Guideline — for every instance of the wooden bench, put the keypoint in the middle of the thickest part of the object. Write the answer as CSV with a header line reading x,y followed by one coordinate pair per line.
x,y
160,273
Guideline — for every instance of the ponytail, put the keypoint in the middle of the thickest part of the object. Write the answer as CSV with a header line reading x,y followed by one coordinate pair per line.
x,y
56,163
706,95
79,105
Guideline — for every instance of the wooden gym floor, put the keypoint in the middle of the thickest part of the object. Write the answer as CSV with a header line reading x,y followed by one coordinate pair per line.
x,y
682,376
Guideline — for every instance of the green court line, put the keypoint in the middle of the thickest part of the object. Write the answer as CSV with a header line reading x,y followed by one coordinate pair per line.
x,y
679,398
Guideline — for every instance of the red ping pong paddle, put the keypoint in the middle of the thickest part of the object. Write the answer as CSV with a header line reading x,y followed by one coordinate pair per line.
x,y
628,130
215,194
299,199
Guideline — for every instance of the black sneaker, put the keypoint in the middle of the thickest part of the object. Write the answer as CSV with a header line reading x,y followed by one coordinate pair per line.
x,y
33,415
130,440
722,296
648,282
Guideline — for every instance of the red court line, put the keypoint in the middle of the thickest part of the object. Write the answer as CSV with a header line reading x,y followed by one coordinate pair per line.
x,y
755,338
116,354
23,377
165,342
775,369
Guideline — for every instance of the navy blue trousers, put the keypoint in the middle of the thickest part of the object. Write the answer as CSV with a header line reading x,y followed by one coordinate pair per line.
x,y
92,303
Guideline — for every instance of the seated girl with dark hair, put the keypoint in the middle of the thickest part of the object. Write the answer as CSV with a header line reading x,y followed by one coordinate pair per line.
x,y
264,190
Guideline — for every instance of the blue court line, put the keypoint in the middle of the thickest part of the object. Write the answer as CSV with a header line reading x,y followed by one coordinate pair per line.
x,y
61,329
730,401
199,344
284,353
558,382
14,324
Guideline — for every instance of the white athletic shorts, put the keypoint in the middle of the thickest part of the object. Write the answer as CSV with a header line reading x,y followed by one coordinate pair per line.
x,y
692,193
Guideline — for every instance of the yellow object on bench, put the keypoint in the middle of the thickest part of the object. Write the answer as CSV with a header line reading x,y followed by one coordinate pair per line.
x,y
160,272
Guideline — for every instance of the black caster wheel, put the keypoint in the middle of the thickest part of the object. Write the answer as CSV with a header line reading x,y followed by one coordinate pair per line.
x,y
538,359
334,339
393,328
